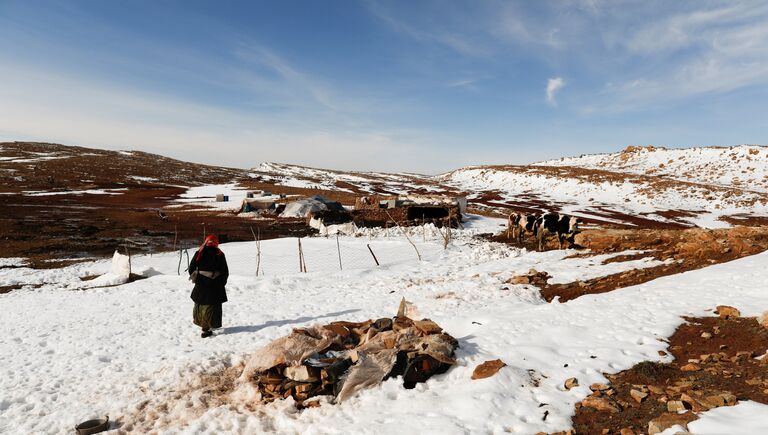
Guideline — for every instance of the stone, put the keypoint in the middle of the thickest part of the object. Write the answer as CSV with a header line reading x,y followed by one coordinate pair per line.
x,y
519,280
601,404
743,355
627,431
675,406
706,335
656,389
639,396
727,312
599,387
488,369
690,367
571,382
665,421
763,319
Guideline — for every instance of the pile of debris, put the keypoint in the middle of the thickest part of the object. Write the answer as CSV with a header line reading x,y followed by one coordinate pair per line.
x,y
342,358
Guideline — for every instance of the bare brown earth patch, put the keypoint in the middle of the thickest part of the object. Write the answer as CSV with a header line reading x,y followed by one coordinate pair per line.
x,y
687,249
714,366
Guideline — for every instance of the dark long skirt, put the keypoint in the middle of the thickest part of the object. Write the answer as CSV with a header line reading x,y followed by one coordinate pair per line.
x,y
207,316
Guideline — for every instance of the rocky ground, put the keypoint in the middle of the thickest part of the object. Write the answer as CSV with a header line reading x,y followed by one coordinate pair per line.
x,y
714,365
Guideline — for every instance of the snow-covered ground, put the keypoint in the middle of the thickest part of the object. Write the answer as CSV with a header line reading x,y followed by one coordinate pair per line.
x,y
69,354
743,166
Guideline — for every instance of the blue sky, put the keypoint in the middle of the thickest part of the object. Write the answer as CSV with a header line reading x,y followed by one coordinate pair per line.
x,y
423,86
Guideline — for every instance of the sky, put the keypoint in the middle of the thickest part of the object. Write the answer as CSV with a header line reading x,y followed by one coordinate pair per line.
x,y
420,86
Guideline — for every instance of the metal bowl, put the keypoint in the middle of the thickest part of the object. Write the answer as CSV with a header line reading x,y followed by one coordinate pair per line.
x,y
92,426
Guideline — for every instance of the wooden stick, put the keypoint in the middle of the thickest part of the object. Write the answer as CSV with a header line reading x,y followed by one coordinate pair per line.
x,y
338,249
405,234
372,254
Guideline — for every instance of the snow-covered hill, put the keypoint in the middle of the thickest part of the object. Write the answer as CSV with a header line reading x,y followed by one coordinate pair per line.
x,y
356,182
606,196
743,166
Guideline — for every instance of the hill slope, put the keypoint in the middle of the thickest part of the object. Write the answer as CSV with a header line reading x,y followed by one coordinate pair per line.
x,y
743,166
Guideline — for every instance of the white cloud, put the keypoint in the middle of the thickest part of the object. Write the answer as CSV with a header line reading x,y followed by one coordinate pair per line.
x,y
554,85
39,106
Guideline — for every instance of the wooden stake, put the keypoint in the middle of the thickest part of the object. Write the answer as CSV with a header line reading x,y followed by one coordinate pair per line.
x,y
405,234
372,254
338,249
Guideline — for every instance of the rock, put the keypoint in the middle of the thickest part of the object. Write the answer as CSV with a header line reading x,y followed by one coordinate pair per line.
x,y
675,406
664,421
627,431
519,280
743,355
601,404
763,319
727,312
571,382
706,335
599,387
488,369
656,389
639,396
690,367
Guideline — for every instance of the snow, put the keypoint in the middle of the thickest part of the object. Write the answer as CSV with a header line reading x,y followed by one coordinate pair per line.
x,y
744,418
74,192
109,350
591,197
13,262
744,166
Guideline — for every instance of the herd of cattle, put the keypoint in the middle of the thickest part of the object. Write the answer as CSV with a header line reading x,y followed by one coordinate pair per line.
x,y
542,227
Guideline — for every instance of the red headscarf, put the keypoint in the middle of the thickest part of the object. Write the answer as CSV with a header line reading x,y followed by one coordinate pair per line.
x,y
211,241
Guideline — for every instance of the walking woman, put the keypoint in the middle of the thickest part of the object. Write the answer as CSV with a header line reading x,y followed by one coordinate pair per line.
x,y
208,270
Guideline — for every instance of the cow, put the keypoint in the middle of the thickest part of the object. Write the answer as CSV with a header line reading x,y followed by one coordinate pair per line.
x,y
526,225
513,221
567,227
546,225
553,224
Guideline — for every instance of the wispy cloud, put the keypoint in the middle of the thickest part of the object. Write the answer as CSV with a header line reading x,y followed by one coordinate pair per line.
x,y
554,85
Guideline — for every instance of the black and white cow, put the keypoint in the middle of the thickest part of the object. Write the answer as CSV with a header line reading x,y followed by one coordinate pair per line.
x,y
567,227
545,226
553,224
527,225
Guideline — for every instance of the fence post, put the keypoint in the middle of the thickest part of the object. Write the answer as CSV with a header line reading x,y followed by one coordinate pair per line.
x,y
338,249
372,254
302,263
406,235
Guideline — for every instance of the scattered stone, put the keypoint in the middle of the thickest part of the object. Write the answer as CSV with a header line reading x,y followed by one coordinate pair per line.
x,y
706,335
675,406
488,369
639,396
599,387
627,431
727,312
763,319
601,404
690,367
571,382
665,421
656,389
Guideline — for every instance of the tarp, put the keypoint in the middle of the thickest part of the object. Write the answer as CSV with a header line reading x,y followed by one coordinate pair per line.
x,y
119,272
302,207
